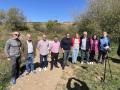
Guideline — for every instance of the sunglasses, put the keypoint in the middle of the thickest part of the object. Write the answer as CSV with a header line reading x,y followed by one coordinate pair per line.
x,y
16,34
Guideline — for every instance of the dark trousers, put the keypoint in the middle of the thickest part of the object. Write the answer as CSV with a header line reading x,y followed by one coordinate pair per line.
x,y
29,63
15,63
85,56
54,59
43,61
65,58
102,56
93,56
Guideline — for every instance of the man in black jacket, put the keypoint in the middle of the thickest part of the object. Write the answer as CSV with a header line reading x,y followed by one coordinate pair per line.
x,y
66,44
85,48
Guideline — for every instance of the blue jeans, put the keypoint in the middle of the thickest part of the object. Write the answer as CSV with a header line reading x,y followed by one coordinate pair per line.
x,y
43,61
29,63
75,55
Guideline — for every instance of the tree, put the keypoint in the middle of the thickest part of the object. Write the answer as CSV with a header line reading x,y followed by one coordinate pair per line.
x,y
15,19
2,17
52,25
101,15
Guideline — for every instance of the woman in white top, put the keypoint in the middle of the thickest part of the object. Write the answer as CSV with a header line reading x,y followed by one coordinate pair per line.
x,y
75,47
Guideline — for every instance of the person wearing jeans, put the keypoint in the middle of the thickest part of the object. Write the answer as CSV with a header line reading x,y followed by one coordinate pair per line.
x,y
75,47
54,48
85,48
104,46
13,53
66,44
29,53
43,47
29,63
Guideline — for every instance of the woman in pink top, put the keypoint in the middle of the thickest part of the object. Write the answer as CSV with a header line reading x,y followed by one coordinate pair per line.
x,y
54,47
94,47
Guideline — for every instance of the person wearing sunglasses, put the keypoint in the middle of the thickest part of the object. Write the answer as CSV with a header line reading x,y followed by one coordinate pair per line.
x,y
13,53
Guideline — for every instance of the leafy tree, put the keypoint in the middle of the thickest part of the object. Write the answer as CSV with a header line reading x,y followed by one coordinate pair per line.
x,y
15,19
52,25
101,15
2,16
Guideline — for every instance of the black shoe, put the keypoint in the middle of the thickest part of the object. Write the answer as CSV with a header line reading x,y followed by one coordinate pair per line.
x,y
57,66
51,68
67,65
63,68
34,72
99,62
27,73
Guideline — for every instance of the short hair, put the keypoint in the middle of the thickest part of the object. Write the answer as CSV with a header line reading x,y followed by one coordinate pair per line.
x,y
55,36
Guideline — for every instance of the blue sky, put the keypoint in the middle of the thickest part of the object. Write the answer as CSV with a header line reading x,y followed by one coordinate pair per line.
x,y
44,10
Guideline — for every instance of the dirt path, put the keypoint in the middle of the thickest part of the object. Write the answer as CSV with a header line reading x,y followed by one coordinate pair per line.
x,y
41,80
44,80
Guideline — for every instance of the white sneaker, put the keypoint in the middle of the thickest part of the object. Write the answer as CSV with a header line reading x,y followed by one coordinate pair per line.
x,y
40,69
88,62
92,63
45,69
82,62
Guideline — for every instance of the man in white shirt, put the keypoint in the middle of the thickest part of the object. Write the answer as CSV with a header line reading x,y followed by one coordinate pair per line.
x,y
85,47
29,50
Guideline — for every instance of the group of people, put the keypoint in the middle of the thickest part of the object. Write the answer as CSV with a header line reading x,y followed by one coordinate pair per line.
x,y
91,48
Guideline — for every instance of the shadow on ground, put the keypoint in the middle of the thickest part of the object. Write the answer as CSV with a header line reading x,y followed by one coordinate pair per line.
x,y
77,84
115,60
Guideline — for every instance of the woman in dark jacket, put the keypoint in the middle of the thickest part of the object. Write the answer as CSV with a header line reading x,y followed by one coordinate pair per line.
x,y
94,48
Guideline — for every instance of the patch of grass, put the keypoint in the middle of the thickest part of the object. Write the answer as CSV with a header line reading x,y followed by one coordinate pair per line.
x,y
4,74
92,75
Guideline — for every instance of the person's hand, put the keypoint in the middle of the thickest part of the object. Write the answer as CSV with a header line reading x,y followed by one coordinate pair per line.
x,y
89,50
8,59
62,51
49,51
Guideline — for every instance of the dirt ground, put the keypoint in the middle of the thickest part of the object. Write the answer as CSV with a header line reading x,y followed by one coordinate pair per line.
x,y
41,80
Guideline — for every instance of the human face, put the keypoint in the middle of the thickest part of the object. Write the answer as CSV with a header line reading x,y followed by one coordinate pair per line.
x,y
94,36
68,35
55,39
44,37
104,34
29,37
16,35
85,34
77,35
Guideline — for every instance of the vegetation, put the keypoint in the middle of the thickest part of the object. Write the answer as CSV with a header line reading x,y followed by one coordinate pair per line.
x,y
13,19
101,15
91,76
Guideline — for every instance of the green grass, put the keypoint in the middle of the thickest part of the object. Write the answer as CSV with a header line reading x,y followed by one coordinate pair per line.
x,y
4,74
92,74
88,76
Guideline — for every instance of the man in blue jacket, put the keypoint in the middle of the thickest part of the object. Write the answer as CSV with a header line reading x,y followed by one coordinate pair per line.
x,y
104,47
